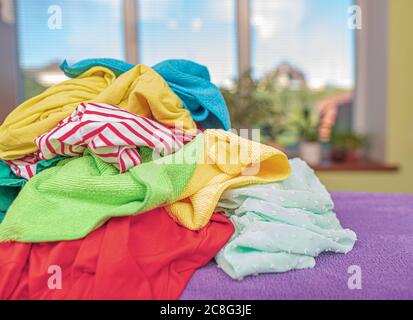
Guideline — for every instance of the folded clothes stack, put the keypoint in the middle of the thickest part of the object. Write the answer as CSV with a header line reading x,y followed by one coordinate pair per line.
x,y
127,179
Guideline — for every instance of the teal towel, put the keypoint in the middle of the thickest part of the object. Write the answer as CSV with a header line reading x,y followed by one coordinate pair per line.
x,y
281,226
10,184
117,66
189,80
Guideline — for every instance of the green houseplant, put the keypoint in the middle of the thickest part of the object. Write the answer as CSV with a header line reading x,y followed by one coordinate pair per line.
x,y
345,146
310,146
253,106
305,122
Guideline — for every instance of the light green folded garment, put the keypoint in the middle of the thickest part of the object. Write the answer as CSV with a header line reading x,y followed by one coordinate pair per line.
x,y
281,226
10,184
70,200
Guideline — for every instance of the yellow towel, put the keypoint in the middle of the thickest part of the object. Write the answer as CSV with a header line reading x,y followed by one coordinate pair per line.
x,y
140,90
229,161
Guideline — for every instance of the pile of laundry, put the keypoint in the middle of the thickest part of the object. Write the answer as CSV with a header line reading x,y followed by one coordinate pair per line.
x,y
122,181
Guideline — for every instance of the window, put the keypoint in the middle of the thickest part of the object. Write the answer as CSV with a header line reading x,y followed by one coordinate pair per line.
x,y
83,29
303,54
204,31
311,35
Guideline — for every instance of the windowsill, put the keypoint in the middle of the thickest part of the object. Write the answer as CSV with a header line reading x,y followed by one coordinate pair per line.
x,y
361,166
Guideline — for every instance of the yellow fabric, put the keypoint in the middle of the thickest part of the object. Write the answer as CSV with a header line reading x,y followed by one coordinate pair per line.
x,y
141,90
229,161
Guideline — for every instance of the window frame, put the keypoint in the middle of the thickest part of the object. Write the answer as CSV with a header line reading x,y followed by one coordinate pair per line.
x,y
9,71
371,80
371,70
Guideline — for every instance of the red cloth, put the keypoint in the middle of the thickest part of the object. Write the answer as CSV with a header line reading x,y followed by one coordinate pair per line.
x,y
146,256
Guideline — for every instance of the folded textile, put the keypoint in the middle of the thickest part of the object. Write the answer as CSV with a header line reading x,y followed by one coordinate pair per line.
x,y
113,134
118,67
146,256
141,91
28,166
10,184
25,167
70,200
189,80
228,161
281,226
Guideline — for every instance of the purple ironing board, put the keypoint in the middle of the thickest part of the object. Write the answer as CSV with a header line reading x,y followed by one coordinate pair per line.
x,y
384,251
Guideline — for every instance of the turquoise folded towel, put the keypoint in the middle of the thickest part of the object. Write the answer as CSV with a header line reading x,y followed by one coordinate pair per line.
x,y
190,81
117,66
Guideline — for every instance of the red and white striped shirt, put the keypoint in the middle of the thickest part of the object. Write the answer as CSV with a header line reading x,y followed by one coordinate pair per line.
x,y
113,134
25,167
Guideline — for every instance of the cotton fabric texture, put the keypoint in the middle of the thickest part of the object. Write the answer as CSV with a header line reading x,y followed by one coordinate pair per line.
x,y
141,91
118,67
70,200
227,161
113,134
145,256
189,80
10,184
281,226
25,167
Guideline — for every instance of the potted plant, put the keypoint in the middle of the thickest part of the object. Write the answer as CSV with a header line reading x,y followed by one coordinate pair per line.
x,y
253,106
310,146
305,122
345,146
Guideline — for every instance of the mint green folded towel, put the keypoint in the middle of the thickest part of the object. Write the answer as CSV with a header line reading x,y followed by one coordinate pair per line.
x,y
281,226
76,196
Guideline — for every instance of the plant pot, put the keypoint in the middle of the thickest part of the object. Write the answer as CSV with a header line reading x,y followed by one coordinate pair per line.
x,y
310,152
338,155
343,155
352,156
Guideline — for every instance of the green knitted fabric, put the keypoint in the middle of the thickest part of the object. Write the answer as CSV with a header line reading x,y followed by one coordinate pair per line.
x,y
69,201
10,184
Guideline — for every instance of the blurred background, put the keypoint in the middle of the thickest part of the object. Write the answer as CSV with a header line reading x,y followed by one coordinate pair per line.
x,y
329,81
